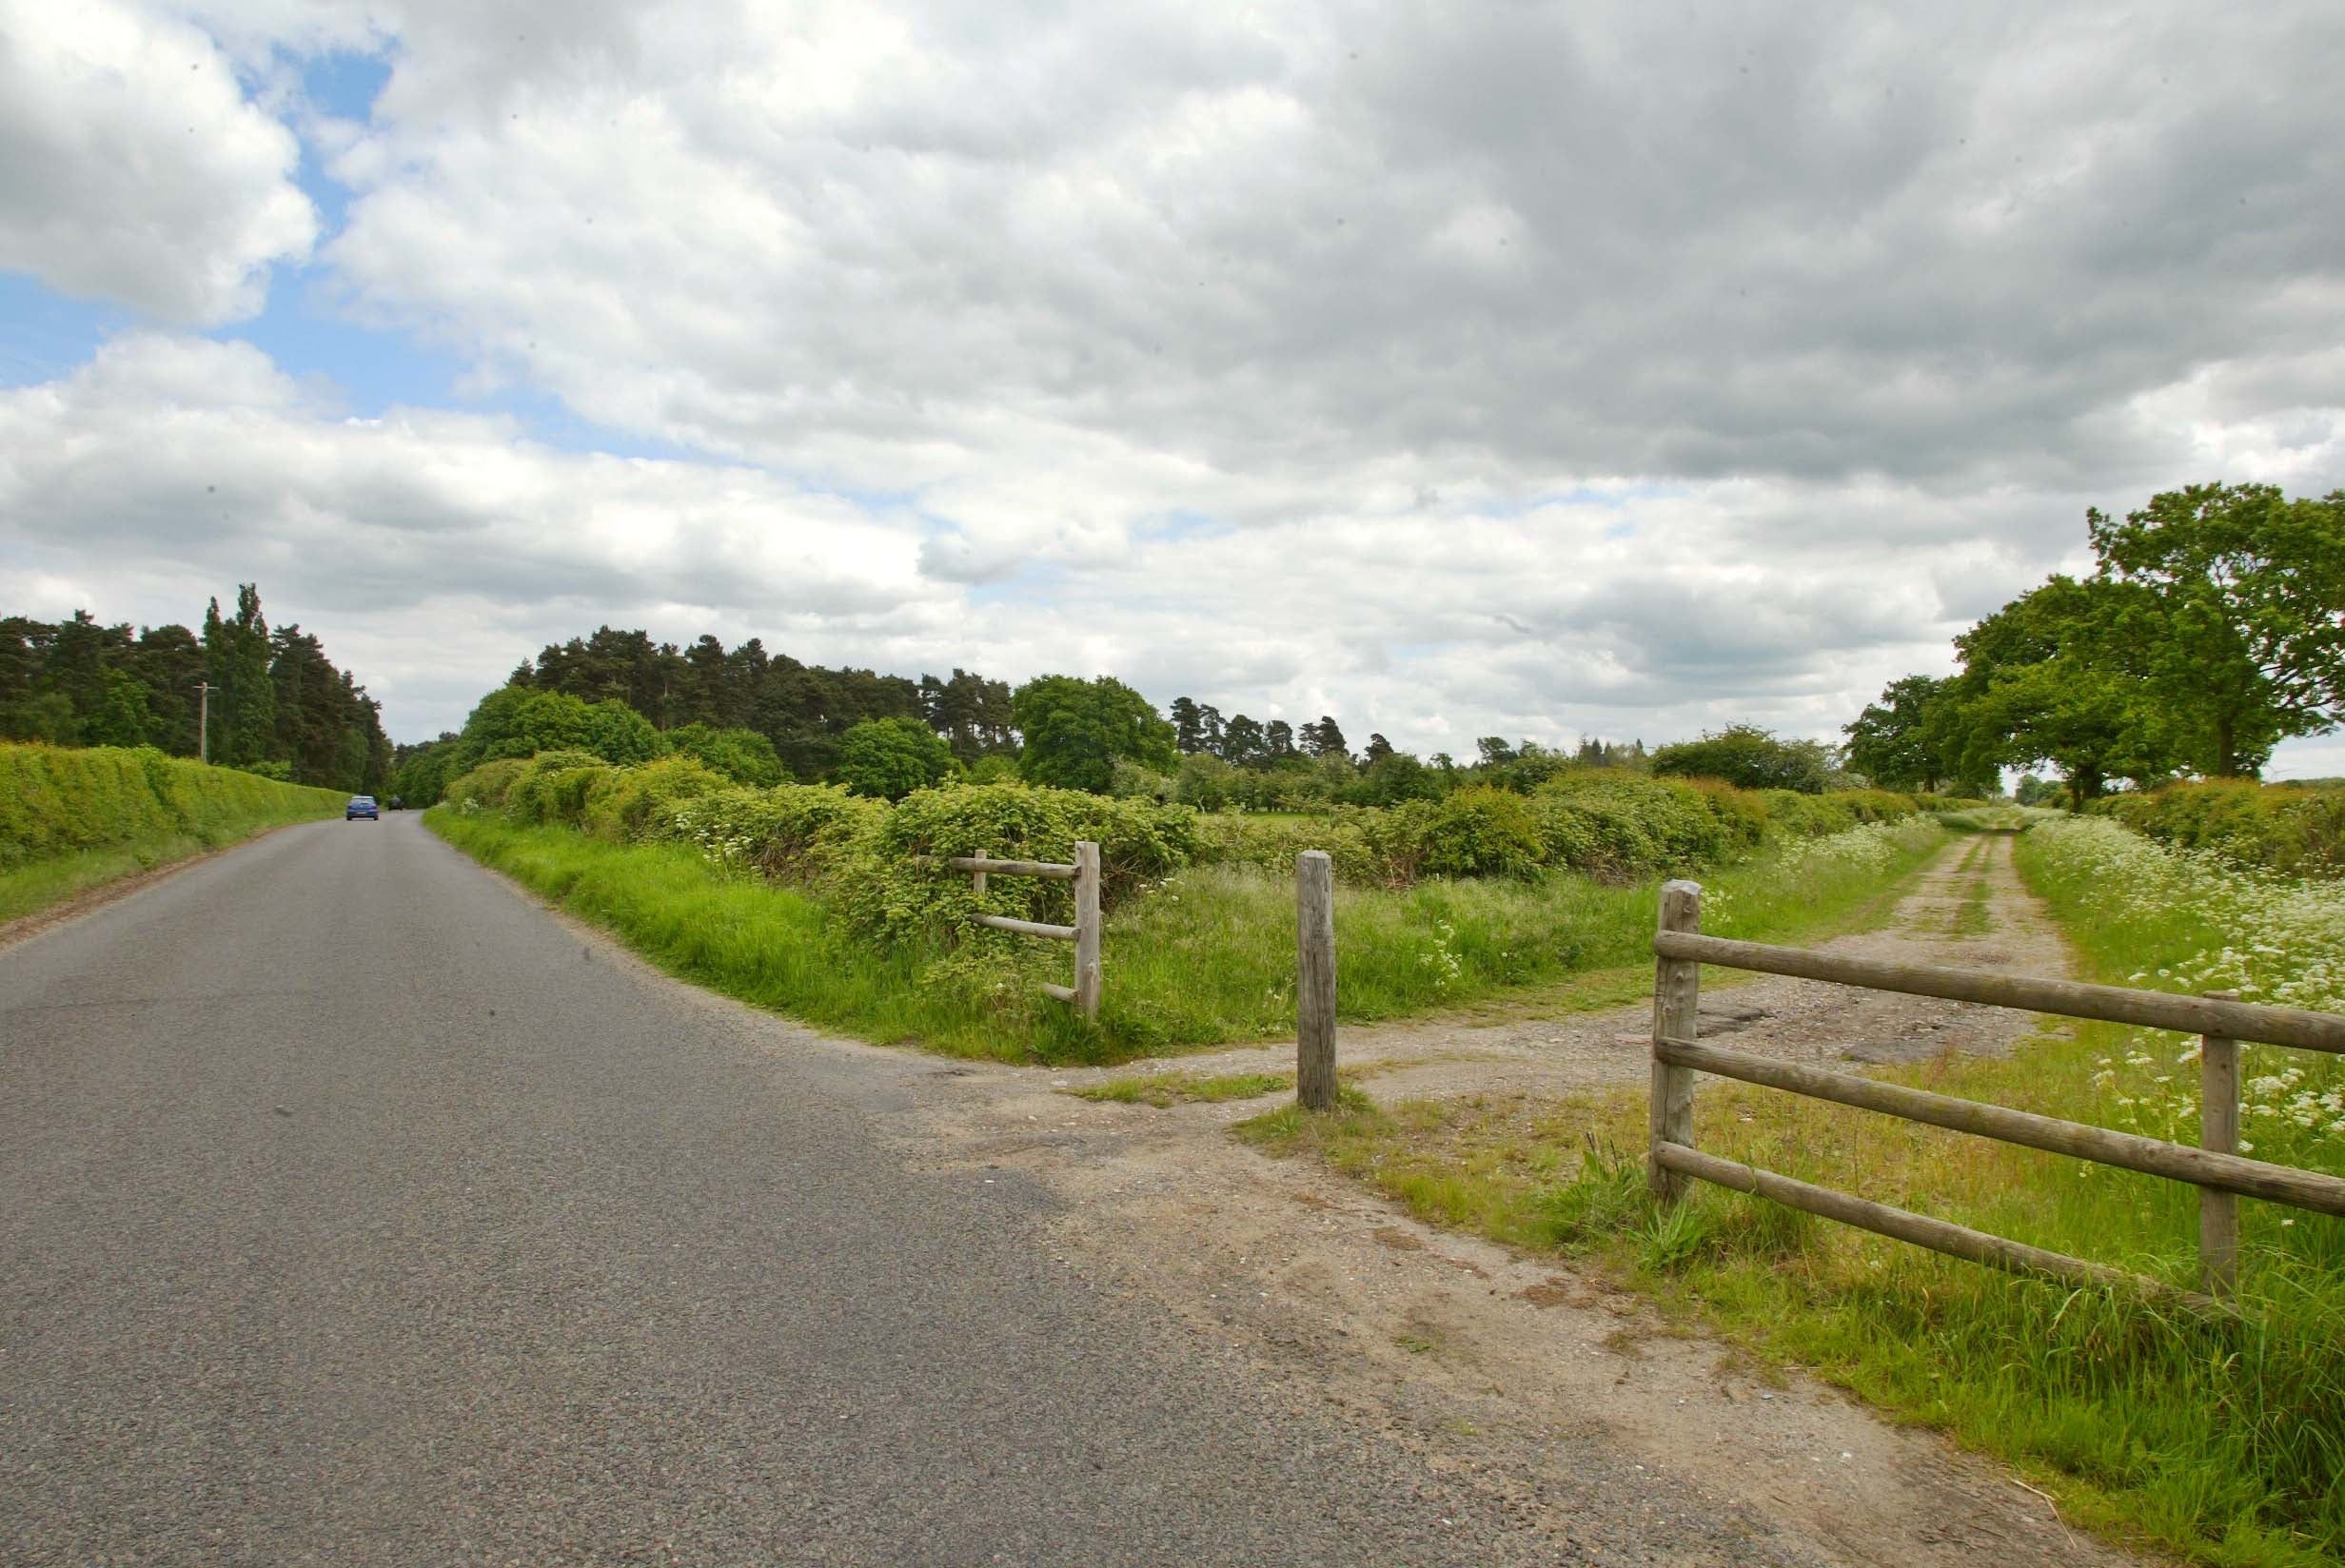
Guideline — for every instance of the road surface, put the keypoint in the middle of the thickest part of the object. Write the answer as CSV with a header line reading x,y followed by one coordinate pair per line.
x,y
360,1211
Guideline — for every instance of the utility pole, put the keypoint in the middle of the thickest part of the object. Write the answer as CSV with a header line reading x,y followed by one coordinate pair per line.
x,y
203,722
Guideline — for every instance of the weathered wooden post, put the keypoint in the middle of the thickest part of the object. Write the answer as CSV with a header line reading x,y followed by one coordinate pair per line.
x,y
1087,928
976,879
2218,1130
1677,998
1314,980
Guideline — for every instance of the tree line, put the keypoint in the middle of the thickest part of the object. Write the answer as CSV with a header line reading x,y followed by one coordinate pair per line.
x,y
277,705
2211,628
761,719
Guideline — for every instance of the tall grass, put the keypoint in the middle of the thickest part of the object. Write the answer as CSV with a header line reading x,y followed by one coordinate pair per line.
x,y
1203,957
2222,1439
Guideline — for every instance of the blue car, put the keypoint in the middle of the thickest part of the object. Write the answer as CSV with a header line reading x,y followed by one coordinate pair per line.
x,y
361,805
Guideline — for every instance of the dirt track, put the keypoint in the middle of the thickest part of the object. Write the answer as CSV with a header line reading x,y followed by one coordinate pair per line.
x,y
1504,1368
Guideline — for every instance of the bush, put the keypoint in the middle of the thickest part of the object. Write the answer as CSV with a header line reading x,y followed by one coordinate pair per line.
x,y
1478,832
57,801
485,787
551,787
2292,829
742,755
1751,758
888,758
1635,824
884,892
793,832
630,803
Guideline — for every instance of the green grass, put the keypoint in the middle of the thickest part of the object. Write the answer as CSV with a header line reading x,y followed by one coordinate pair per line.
x,y
1205,960
30,887
2222,1440
1164,1089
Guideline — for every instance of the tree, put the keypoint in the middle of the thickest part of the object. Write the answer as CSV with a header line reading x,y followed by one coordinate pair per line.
x,y
244,705
1242,742
2043,680
1278,740
740,754
1912,738
891,757
1074,730
2239,632
1376,750
1324,738
1751,758
1209,731
1394,778
1497,750
1188,726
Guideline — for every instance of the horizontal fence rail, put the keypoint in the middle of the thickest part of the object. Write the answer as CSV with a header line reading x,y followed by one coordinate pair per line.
x,y
1083,871
2296,1026
2307,1189
2218,1170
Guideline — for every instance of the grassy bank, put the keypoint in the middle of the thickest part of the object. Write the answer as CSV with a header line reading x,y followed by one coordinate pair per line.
x,y
2224,1442
1203,956
74,820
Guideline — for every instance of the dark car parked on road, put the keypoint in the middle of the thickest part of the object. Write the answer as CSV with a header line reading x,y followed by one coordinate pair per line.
x,y
361,805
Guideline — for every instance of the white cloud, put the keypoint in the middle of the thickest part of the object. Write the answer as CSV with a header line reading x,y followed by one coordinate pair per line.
x,y
133,168
1456,370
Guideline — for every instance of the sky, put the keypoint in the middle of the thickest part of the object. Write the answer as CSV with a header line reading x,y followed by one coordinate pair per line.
x,y
1544,370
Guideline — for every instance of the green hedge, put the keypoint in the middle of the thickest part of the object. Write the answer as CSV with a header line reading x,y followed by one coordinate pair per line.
x,y
1613,825
2296,830
58,800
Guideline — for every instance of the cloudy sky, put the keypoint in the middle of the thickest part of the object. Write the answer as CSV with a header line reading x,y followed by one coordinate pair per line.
x,y
1453,369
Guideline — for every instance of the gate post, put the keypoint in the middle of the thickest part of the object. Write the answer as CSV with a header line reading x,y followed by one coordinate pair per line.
x,y
1676,999
1087,928
1314,980
2218,1129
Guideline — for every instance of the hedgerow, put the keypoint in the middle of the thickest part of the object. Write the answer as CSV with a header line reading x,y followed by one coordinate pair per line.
x,y
58,800
2292,829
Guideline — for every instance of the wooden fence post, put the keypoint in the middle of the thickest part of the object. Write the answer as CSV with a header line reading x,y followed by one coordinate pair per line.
x,y
1677,997
2218,1129
1314,980
1087,928
976,879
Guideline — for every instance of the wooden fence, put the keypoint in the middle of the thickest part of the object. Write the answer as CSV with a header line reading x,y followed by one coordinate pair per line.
x,y
2217,1169
1084,872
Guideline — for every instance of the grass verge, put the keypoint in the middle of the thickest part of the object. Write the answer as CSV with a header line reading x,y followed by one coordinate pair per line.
x,y
1207,959
41,885
2224,1442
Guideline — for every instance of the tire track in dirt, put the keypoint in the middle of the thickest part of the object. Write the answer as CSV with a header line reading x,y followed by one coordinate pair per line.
x,y
1542,1383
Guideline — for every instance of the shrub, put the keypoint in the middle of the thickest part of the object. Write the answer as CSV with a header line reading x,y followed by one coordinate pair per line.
x,y
1745,756
882,888
742,755
1640,824
1480,832
628,803
1271,843
888,758
486,786
2292,829
793,832
551,787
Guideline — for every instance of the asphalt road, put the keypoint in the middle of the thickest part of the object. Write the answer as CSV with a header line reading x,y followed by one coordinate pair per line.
x,y
358,1211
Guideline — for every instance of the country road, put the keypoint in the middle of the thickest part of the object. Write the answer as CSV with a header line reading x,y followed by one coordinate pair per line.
x,y
359,1211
